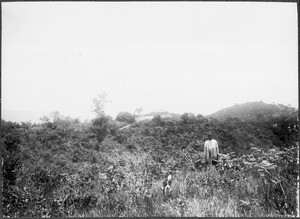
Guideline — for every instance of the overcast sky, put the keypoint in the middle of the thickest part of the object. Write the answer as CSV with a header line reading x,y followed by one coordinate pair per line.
x,y
181,57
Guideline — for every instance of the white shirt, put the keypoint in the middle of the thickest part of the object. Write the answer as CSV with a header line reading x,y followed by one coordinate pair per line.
x,y
211,148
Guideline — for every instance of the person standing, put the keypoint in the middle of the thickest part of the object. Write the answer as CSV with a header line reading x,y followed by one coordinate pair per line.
x,y
211,150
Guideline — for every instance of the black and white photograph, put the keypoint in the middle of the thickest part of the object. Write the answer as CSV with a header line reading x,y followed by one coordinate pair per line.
x,y
149,109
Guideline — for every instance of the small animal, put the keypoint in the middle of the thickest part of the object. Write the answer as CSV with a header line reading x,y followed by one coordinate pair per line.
x,y
166,186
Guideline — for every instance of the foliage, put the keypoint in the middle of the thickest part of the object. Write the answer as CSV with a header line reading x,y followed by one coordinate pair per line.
x,y
102,126
255,111
188,117
99,104
65,167
125,117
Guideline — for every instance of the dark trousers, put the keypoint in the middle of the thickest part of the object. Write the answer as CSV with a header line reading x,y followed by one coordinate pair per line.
x,y
211,160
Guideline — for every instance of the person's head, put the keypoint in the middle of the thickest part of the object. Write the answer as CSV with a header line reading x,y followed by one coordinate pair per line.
x,y
209,136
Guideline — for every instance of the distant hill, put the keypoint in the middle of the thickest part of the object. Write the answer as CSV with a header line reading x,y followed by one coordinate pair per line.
x,y
255,111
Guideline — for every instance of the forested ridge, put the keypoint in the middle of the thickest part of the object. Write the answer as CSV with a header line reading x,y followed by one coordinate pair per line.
x,y
255,111
114,167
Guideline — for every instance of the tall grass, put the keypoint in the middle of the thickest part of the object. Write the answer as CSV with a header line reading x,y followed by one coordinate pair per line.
x,y
194,194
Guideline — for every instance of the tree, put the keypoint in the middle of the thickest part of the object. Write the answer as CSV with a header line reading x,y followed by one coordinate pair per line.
x,y
45,119
101,127
55,115
188,117
99,103
200,117
125,117
157,120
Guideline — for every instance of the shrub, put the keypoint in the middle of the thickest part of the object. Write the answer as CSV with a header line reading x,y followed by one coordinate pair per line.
x,y
125,117
100,127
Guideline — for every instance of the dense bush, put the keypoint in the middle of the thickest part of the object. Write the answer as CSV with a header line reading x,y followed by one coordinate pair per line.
x,y
125,117
103,126
106,168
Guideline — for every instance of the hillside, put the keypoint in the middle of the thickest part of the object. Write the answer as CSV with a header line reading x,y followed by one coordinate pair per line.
x,y
94,169
255,111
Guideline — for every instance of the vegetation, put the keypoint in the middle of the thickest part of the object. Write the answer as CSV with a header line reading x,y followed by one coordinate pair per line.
x,y
64,167
256,111
125,117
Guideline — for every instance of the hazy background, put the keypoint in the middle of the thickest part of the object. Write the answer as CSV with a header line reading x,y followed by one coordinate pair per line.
x,y
180,57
